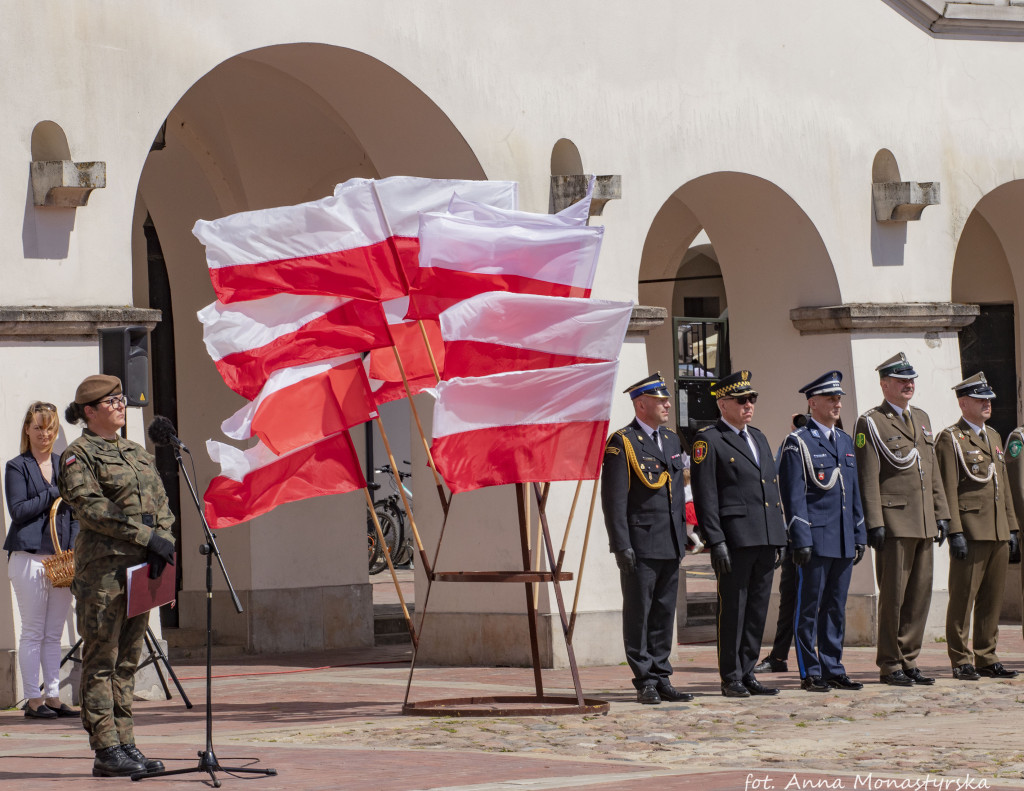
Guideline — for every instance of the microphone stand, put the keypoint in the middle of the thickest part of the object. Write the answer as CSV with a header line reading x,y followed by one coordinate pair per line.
x,y
207,759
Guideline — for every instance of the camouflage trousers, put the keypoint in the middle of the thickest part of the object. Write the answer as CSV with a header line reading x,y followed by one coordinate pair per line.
x,y
111,648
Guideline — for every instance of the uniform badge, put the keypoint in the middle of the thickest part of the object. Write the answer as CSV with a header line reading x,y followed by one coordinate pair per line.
x,y
926,431
70,460
974,468
821,476
959,435
1015,448
612,450
861,440
815,432
700,451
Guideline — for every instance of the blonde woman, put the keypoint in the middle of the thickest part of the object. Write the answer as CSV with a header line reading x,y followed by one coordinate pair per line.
x,y
30,484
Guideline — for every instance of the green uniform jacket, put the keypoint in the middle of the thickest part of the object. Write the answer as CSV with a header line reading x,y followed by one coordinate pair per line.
x,y
982,511
905,502
117,496
1015,472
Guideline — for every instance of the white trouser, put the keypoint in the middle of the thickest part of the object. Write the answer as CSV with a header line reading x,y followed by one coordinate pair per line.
x,y
44,611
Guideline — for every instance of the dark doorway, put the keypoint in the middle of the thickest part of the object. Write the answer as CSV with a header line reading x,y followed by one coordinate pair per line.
x,y
989,344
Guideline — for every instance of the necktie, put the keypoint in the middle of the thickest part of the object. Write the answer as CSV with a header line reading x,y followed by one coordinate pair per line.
x,y
656,436
907,419
751,445
832,438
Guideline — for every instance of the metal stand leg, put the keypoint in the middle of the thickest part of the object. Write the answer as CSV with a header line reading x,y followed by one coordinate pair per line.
x,y
155,658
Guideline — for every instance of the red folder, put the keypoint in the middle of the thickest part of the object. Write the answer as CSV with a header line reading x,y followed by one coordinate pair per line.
x,y
144,594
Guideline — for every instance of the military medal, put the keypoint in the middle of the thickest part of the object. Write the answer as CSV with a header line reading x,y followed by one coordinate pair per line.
x,y
974,468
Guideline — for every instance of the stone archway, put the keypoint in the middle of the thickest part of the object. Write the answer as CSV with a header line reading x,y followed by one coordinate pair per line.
x,y
269,127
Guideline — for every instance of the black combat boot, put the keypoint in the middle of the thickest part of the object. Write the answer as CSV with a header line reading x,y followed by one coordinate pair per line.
x,y
112,762
150,764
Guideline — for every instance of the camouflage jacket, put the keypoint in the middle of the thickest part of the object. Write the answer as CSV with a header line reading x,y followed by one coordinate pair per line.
x,y
117,496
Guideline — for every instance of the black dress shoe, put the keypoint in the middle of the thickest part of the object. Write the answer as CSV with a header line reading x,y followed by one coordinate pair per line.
x,y
771,665
996,671
735,689
648,694
150,764
918,677
843,681
814,684
965,672
66,711
112,762
44,712
897,679
755,687
668,692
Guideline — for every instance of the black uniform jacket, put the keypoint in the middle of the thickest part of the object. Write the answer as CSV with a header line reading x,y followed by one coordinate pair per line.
x,y
648,520
736,500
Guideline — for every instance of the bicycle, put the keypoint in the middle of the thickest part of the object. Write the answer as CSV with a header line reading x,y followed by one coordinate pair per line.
x,y
391,516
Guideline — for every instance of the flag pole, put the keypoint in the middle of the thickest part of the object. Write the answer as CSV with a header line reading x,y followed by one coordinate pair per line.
x,y
583,559
405,500
537,562
430,351
387,557
568,524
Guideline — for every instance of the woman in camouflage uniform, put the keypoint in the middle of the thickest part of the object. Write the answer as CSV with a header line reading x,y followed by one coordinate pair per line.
x,y
119,500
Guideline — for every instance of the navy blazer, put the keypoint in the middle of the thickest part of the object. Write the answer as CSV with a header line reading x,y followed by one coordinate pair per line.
x,y
737,500
29,498
832,521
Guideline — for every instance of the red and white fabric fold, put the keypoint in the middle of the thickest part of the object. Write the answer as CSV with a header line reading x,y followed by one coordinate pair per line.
x,y
576,214
499,331
523,426
382,367
255,481
460,257
304,404
250,340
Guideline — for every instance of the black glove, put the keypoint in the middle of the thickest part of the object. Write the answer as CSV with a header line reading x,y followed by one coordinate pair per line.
x,y
943,525
859,549
1014,547
958,546
159,552
800,556
780,556
625,559
720,560
876,537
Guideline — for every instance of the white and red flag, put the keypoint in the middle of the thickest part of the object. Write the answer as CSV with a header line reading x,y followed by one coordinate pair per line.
x,y
402,198
523,426
382,367
498,331
337,245
255,481
460,257
305,404
576,214
250,340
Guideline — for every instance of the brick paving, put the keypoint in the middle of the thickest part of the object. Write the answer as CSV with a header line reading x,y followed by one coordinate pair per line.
x,y
333,721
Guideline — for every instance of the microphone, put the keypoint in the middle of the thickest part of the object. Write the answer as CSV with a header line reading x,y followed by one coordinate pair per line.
x,y
161,431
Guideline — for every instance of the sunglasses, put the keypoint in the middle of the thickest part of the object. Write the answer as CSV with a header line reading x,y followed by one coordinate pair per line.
x,y
42,406
741,400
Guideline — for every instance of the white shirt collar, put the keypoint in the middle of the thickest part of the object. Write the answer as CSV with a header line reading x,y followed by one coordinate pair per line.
x,y
650,432
730,425
824,430
899,412
976,429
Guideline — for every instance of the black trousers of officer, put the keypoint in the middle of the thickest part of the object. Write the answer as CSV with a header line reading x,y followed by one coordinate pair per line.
x,y
787,606
743,596
648,618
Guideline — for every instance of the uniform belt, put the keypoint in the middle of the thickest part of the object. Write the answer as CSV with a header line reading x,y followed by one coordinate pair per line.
x,y
149,520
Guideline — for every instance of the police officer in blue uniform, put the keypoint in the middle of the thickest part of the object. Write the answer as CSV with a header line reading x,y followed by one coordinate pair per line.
x,y
643,499
821,497
739,510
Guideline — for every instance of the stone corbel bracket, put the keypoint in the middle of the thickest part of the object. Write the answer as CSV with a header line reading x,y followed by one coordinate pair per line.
x,y
45,323
66,184
902,201
907,317
566,190
645,318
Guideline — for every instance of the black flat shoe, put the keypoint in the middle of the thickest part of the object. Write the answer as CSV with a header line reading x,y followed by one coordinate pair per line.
x,y
670,693
918,677
755,687
735,689
44,712
771,665
648,695
996,671
843,681
65,711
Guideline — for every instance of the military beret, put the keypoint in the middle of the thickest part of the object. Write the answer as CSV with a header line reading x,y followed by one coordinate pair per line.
x,y
95,387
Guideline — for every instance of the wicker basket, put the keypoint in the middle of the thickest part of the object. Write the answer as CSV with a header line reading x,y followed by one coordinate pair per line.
x,y
61,567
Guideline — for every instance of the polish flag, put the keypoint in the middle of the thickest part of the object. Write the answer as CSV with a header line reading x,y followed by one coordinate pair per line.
x,y
498,331
402,198
382,367
255,481
460,257
305,404
523,426
250,340
336,245
576,214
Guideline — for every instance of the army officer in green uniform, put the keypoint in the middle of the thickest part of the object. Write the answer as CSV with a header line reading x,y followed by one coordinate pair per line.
x,y
119,500
982,532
